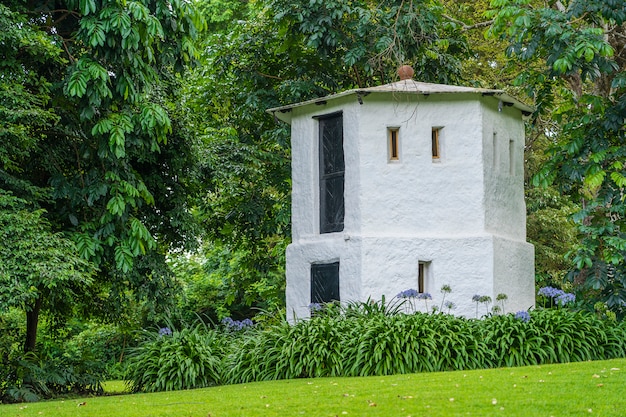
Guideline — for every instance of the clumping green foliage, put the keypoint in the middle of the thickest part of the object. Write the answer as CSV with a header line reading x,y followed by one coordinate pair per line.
x,y
335,344
176,359
552,336
366,339
32,377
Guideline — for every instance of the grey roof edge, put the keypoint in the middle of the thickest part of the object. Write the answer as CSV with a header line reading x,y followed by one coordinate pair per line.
x,y
412,87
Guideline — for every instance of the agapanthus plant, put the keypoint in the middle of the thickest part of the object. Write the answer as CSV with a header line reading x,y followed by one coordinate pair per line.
x,y
165,331
523,316
237,325
557,296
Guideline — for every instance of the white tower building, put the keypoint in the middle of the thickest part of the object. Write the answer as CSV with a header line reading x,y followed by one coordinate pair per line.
x,y
408,185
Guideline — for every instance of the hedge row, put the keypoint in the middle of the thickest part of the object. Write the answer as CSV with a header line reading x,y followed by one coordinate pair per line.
x,y
364,341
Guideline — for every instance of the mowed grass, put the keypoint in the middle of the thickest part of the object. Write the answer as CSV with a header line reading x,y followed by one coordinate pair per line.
x,y
576,389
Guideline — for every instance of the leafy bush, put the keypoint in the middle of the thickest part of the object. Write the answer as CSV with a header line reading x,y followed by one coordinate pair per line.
x,y
257,356
101,344
365,339
362,339
176,359
54,369
553,336
33,377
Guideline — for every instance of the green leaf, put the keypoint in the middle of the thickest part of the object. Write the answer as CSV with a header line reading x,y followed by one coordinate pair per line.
x,y
87,6
116,205
77,84
123,257
619,179
595,179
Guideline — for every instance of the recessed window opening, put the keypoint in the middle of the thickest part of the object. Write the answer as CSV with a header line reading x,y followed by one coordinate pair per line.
x,y
496,160
436,143
512,157
423,268
324,283
393,134
332,173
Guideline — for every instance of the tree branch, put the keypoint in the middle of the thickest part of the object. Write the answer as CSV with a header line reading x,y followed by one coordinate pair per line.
x,y
269,76
465,26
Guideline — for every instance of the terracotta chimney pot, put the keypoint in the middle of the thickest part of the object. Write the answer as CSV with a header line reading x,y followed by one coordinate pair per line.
x,y
406,72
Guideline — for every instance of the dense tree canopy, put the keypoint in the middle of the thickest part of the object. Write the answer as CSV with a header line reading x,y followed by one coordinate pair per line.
x,y
577,76
92,132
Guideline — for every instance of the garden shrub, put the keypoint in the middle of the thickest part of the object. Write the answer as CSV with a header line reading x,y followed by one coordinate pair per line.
x,y
392,344
553,336
55,369
257,355
176,359
102,344
515,342
315,349
365,340
33,377
307,349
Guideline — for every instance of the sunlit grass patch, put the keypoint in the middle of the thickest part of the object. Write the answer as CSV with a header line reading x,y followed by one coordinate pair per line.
x,y
115,387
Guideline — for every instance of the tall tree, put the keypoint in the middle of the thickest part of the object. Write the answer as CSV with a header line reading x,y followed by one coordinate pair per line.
x,y
39,270
581,84
93,134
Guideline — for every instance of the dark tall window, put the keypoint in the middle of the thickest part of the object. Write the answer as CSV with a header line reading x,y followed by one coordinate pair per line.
x,y
324,283
332,171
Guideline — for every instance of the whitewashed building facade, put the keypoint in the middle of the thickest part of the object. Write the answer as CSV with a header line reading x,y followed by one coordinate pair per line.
x,y
408,185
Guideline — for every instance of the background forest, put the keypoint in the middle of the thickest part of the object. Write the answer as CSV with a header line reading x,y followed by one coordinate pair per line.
x,y
143,184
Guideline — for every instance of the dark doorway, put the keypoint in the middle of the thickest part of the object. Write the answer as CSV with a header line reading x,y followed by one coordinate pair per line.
x,y
324,283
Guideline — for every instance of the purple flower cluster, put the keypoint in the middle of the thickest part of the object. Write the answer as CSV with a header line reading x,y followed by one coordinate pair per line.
x,y
559,296
410,293
450,305
313,307
566,297
476,298
165,331
237,325
424,296
523,316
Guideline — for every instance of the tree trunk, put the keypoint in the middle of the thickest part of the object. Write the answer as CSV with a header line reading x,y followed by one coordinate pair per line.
x,y
32,321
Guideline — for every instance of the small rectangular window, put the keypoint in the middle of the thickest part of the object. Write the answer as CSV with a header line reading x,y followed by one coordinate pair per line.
x,y
512,157
423,269
436,143
496,160
420,277
393,134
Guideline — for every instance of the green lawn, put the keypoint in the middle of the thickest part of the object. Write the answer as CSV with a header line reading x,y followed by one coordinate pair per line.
x,y
578,389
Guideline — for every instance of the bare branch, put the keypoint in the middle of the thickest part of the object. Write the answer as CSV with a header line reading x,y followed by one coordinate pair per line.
x,y
269,76
466,26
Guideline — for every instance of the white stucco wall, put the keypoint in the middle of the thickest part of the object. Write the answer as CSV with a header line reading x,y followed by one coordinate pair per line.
x,y
417,195
514,273
503,141
463,213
